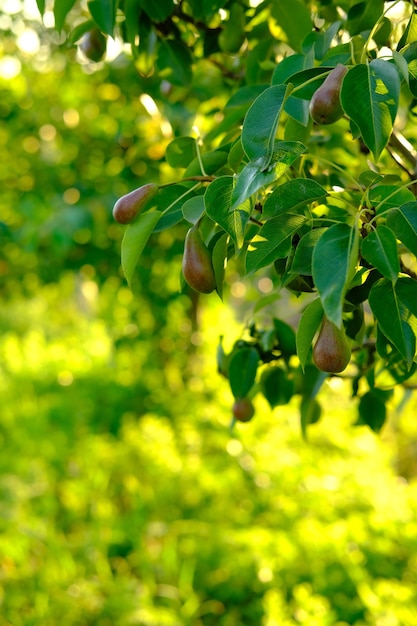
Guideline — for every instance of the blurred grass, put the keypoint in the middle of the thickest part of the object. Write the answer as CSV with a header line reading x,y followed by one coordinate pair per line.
x,y
125,497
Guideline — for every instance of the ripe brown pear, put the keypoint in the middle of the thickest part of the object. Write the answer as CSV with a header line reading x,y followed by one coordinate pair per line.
x,y
197,266
325,107
93,45
130,205
331,352
243,410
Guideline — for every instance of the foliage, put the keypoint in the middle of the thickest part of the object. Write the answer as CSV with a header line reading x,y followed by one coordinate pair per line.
x,y
330,210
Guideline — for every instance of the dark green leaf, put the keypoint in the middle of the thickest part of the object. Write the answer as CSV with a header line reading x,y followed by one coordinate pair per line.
x,y
260,125
212,163
369,96
104,14
134,241
170,200
334,260
372,411
174,62
242,371
285,336
379,248
157,11
292,196
392,316
303,257
403,221
61,10
276,386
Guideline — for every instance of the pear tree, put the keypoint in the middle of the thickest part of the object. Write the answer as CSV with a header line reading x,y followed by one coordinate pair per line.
x,y
305,173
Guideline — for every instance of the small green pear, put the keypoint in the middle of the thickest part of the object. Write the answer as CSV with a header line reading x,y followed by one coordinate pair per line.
x,y
243,410
331,352
197,265
325,107
130,205
93,45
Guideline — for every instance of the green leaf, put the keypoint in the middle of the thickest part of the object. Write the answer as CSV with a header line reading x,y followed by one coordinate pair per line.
x,y
170,200
294,17
252,177
292,196
181,152
217,200
242,371
369,96
410,55
379,248
80,30
392,316
61,10
273,240
158,11
134,241
285,336
41,6
372,411
303,257
260,125
385,197
219,256
174,62
334,260
310,413
410,33
104,14
212,163
193,209
275,385
403,221
308,325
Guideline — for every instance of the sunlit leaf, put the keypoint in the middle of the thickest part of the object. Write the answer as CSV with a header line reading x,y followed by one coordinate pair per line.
x,y
294,17
181,151
292,196
273,240
307,327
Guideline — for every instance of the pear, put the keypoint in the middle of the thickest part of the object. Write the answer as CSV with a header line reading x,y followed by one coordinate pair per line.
x,y
331,352
130,205
197,266
243,410
325,107
93,45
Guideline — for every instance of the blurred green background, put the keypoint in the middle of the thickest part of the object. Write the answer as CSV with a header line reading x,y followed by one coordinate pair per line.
x,y
125,497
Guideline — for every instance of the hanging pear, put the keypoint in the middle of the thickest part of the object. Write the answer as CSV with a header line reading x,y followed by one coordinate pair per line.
x,y
325,107
197,266
93,45
331,352
130,205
